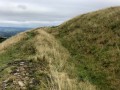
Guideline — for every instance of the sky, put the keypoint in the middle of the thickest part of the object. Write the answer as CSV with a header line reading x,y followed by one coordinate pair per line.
x,y
40,13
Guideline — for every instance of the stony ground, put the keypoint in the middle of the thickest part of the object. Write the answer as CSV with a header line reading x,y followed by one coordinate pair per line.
x,y
22,75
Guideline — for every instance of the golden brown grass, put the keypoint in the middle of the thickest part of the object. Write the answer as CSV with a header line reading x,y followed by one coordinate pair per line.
x,y
48,47
57,56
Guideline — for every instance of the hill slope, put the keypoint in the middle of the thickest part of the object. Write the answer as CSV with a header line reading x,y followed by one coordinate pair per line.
x,y
35,60
93,40
27,59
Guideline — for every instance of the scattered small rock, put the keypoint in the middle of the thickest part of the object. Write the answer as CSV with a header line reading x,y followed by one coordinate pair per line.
x,y
16,74
21,64
17,70
5,81
21,74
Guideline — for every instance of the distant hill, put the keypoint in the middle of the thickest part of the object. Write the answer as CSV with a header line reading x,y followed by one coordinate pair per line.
x,y
80,54
10,31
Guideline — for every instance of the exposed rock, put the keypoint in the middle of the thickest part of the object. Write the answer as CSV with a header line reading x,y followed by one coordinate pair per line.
x,y
17,70
16,74
21,84
5,81
21,64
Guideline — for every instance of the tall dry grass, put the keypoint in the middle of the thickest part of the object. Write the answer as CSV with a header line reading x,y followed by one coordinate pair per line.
x,y
57,56
47,46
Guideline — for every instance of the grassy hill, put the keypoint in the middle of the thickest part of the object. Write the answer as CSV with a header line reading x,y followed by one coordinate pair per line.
x,y
35,60
80,54
93,40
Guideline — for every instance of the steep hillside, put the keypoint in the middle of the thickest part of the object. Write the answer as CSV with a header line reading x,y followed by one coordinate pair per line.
x,y
93,40
35,60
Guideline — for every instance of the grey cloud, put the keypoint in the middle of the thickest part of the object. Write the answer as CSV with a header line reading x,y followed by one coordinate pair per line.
x,y
47,12
22,7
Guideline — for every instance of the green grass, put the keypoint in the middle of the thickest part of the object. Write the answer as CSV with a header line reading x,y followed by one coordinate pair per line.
x,y
21,50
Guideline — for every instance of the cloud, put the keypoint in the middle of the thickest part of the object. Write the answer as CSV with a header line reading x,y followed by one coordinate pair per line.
x,y
46,12
22,7
29,23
